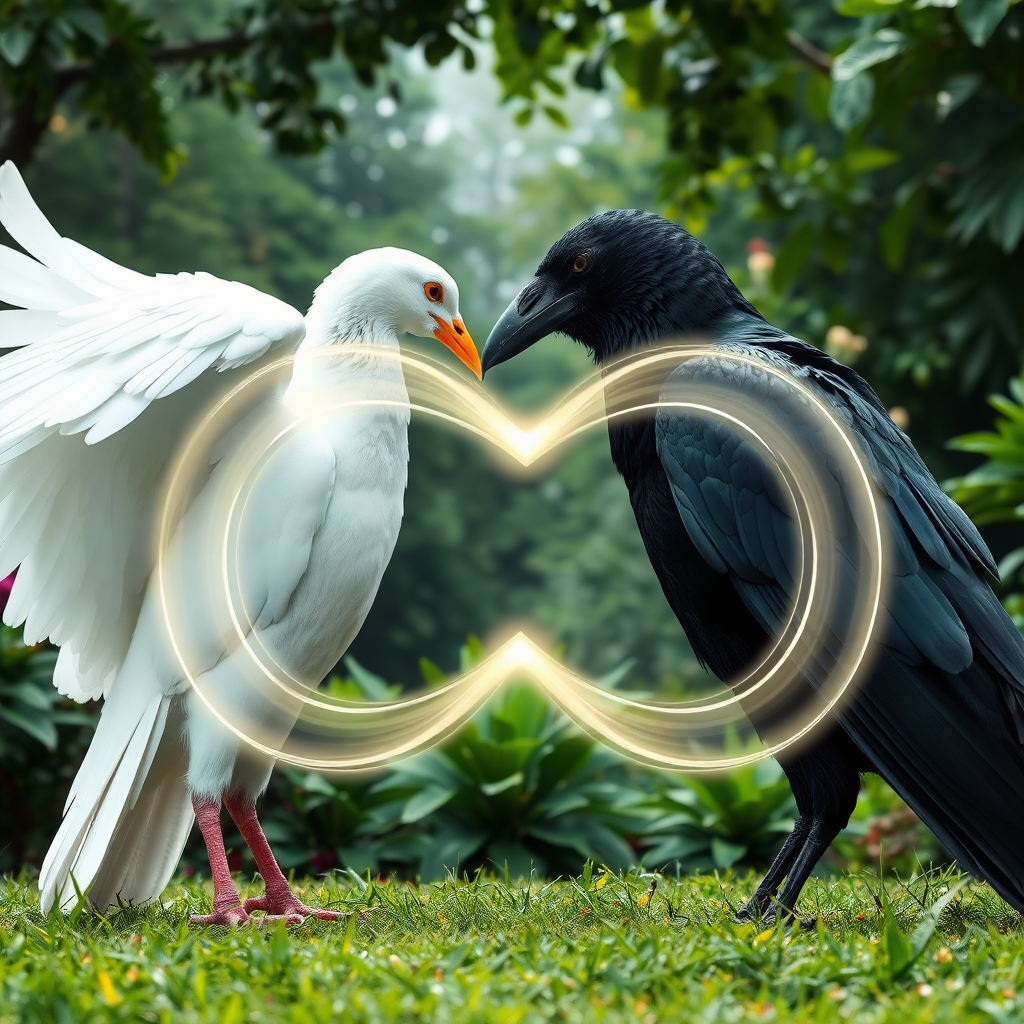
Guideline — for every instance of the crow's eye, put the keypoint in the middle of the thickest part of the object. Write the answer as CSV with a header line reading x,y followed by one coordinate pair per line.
x,y
581,263
433,291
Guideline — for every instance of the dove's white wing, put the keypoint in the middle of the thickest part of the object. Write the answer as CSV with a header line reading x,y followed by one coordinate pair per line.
x,y
114,368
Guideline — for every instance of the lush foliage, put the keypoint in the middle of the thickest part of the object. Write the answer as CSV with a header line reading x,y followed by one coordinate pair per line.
x,y
596,947
716,821
994,492
881,140
518,789
42,739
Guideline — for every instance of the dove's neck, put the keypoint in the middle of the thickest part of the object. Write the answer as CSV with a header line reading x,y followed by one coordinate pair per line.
x,y
351,346
347,309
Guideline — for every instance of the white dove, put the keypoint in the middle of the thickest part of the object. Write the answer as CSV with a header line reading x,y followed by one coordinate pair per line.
x,y
114,370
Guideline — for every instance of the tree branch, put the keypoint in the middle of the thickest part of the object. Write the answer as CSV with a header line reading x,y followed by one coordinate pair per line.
x,y
189,50
808,52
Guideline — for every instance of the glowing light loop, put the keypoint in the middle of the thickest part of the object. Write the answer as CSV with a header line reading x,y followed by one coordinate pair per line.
x,y
818,651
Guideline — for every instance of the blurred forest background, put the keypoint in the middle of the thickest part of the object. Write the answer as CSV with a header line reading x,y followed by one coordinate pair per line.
x,y
858,168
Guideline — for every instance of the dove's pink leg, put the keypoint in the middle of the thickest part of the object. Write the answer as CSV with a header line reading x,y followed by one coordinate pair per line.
x,y
227,906
278,900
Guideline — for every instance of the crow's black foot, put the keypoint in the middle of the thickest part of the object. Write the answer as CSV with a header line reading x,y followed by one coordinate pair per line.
x,y
754,913
767,917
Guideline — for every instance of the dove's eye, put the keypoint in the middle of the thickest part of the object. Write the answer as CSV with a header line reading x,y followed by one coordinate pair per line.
x,y
434,291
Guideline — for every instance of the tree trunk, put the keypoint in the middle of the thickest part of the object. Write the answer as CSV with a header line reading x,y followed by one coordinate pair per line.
x,y
22,126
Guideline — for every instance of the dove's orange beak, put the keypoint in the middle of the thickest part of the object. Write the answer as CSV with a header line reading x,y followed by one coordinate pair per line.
x,y
455,336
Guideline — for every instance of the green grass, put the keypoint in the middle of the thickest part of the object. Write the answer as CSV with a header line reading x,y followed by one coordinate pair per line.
x,y
488,950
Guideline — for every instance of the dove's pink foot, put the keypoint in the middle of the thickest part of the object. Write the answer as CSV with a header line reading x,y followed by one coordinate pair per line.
x,y
227,906
278,900
231,918
289,908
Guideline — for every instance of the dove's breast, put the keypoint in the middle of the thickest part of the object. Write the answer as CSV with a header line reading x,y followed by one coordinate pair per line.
x,y
351,549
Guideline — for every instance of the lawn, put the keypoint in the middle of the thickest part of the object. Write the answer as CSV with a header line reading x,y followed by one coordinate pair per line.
x,y
599,947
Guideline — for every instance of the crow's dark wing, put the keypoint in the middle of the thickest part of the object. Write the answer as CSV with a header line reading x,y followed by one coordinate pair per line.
x,y
940,715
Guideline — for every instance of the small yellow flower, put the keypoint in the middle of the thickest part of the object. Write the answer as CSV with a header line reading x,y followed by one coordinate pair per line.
x,y
645,899
110,994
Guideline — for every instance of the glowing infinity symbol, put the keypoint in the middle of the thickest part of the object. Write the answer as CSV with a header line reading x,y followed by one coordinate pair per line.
x,y
825,634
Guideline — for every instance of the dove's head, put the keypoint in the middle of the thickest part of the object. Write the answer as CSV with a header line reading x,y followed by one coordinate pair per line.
x,y
380,294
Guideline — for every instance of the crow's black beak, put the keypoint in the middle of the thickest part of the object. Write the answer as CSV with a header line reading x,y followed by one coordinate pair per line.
x,y
534,313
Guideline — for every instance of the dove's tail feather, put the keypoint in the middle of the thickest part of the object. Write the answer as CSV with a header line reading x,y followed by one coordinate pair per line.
x,y
129,811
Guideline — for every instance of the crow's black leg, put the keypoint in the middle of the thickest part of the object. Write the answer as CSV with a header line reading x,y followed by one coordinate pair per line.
x,y
799,771
761,901
820,837
825,780
834,796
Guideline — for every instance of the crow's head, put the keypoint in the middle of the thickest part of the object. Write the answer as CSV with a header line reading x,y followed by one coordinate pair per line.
x,y
614,282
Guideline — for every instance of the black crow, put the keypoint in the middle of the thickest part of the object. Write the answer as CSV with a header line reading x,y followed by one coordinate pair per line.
x,y
940,715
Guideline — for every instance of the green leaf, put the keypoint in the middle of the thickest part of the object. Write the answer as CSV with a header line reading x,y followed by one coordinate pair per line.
x,y
866,53
32,695
725,854
375,688
494,788
556,116
39,729
89,23
850,101
869,158
980,18
611,680
865,8
929,921
471,653
958,90
431,674
902,951
899,952
14,44
425,802
590,74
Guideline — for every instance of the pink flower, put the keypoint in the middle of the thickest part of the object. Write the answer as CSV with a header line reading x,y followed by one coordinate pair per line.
x,y
5,590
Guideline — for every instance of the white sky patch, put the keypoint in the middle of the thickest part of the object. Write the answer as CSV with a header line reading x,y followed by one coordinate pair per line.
x,y
568,156
439,127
